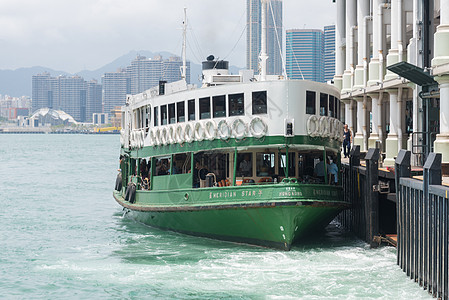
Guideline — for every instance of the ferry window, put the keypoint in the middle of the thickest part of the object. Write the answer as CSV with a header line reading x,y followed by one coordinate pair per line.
x,y
331,106
219,106
162,166
259,103
181,163
310,103
283,164
171,114
236,105
191,108
156,119
323,104
164,115
244,165
180,111
265,164
204,108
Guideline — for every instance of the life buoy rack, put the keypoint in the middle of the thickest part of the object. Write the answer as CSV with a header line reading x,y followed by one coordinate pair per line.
x,y
189,133
312,126
239,134
223,130
256,122
180,134
324,126
210,129
200,133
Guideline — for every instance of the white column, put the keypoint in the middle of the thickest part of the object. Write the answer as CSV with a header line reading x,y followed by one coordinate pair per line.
x,y
375,124
441,144
358,137
362,52
376,63
351,22
396,29
392,138
339,44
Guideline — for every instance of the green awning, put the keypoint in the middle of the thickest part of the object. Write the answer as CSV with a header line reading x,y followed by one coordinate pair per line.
x,y
413,73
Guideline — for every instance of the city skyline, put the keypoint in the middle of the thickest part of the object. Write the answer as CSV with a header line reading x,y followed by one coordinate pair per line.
x,y
84,35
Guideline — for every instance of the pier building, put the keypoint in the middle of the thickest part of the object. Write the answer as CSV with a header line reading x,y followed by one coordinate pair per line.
x,y
392,67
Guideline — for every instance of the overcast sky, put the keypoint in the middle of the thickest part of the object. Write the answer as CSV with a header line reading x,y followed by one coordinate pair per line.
x,y
73,35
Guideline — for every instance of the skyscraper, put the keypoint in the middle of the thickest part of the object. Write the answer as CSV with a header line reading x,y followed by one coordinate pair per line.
x,y
329,52
115,87
304,54
94,99
274,35
41,88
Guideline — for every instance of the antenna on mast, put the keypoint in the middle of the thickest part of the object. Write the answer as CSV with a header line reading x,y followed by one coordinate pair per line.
x,y
184,34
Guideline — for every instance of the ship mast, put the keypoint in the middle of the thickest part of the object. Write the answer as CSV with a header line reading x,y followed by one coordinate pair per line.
x,y
184,34
263,51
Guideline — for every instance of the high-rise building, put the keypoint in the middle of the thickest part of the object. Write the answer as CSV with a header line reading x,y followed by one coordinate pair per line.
x,y
69,94
171,69
304,54
274,35
329,52
115,87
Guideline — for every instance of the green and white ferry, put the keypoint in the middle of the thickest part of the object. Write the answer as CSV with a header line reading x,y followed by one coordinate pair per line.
x,y
244,158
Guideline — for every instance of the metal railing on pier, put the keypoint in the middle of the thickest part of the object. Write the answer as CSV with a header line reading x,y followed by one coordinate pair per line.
x,y
423,224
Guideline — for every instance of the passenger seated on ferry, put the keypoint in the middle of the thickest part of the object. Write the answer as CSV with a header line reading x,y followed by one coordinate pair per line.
x,y
319,170
246,166
199,173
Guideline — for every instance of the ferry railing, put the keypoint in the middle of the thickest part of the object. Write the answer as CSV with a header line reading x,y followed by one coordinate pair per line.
x,y
423,224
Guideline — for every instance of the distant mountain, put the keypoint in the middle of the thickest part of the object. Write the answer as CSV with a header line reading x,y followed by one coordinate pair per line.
x,y
17,83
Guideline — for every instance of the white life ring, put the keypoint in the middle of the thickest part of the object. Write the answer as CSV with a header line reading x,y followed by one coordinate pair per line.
x,y
151,139
336,129
163,136
236,125
223,130
157,136
342,128
180,134
200,133
324,126
131,140
210,129
330,126
258,127
122,137
312,126
136,139
189,133
171,135
142,138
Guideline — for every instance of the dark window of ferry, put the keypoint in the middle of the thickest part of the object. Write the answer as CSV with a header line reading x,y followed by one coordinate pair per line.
x,y
236,105
204,108
171,114
323,104
181,163
331,106
283,164
164,115
162,166
219,106
310,102
191,109
180,111
265,164
259,103
244,165
156,116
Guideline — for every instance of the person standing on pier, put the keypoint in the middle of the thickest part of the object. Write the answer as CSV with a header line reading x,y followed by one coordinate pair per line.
x,y
347,140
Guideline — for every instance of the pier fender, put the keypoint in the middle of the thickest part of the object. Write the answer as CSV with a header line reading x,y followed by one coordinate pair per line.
x,y
210,129
312,126
180,133
239,128
324,126
223,130
199,132
189,133
258,127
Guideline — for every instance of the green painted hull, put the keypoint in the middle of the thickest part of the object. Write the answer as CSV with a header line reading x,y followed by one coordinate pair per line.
x,y
274,215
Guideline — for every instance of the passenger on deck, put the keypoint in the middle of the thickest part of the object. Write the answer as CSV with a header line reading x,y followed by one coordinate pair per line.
x,y
246,166
332,170
319,170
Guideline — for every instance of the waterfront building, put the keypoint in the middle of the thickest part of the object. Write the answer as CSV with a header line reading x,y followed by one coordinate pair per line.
x,y
94,99
304,54
329,52
41,90
116,85
274,36
394,78
13,107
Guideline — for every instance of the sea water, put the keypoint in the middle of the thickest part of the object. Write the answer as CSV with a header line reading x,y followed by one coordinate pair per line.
x,y
63,236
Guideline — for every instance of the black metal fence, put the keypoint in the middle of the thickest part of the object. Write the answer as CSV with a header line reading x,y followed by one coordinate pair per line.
x,y
423,224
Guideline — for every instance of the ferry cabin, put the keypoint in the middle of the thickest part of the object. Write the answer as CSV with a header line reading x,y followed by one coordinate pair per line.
x,y
177,137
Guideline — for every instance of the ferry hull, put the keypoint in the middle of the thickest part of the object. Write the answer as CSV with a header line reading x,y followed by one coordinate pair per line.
x,y
276,224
